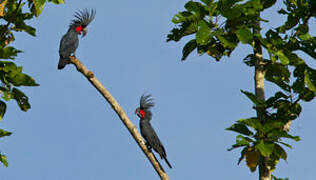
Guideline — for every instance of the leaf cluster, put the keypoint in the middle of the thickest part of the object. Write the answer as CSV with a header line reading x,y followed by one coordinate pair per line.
x,y
266,138
217,27
14,15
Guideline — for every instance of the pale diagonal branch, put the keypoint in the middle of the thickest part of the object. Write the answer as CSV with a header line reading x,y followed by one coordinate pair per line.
x,y
120,112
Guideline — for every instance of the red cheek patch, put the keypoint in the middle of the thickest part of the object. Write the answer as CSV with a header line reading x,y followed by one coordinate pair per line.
x,y
142,113
79,28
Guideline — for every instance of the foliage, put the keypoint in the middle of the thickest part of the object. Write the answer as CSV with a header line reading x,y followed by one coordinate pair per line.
x,y
13,19
217,27
275,178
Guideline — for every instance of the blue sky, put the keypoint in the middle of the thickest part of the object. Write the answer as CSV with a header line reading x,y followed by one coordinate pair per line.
x,y
72,133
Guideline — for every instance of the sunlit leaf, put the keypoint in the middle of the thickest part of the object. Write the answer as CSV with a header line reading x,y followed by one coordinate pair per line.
x,y
240,142
275,178
8,52
283,134
39,6
268,126
265,148
4,133
3,159
57,1
252,122
203,34
284,60
244,35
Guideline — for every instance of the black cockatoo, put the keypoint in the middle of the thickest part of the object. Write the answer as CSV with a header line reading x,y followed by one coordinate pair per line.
x,y
70,41
147,131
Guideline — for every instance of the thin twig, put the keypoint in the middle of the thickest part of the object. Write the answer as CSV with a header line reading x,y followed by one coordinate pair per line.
x,y
120,112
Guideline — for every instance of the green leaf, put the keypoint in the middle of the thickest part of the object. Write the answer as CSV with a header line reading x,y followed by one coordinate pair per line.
x,y
4,133
242,154
8,66
240,142
185,29
207,2
244,35
296,109
253,98
268,126
283,134
278,74
234,146
57,1
308,49
21,26
203,34
227,40
21,79
195,7
21,99
3,108
280,70
284,60
271,101
268,3
240,128
250,60
285,144
307,95
275,178
305,37
3,159
13,74
39,6
188,48
252,122
308,81
8,52
227,9
183,17
282,11
265,148
286,110
280,152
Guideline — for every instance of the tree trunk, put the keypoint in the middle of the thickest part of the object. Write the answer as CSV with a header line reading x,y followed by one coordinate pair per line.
x,y
264,169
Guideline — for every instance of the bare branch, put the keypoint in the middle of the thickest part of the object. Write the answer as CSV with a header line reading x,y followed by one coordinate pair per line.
x,y
120,112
